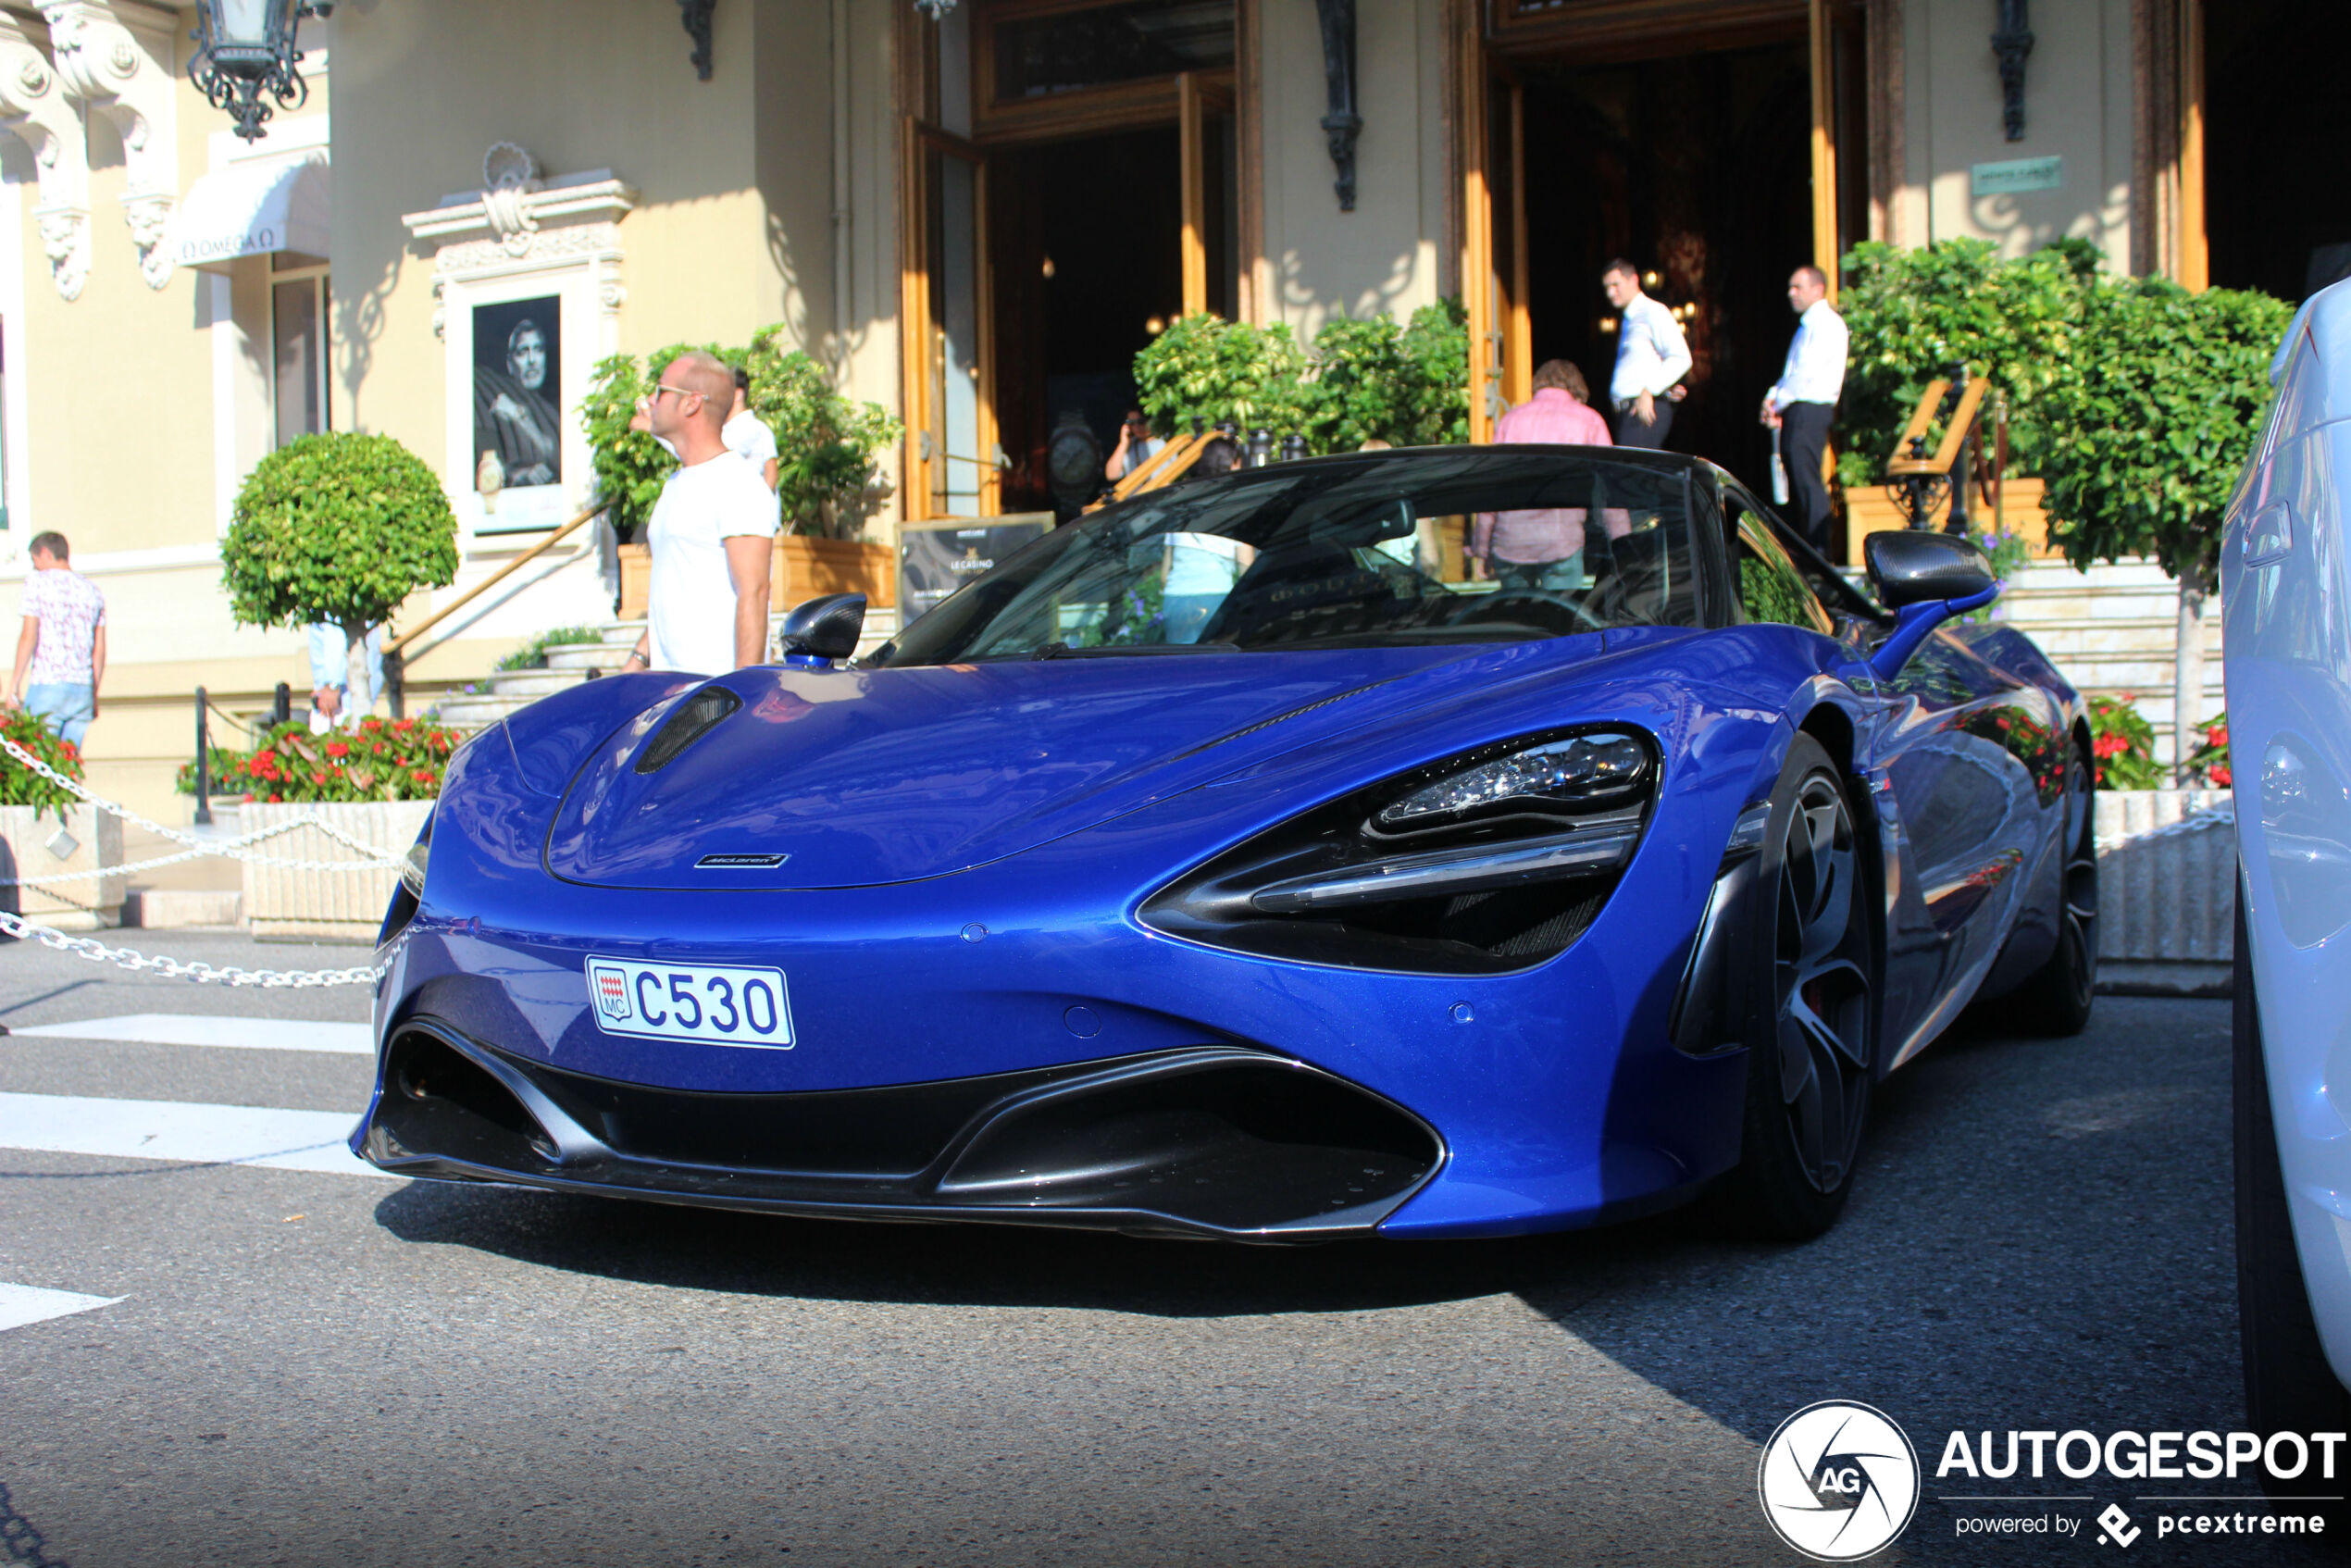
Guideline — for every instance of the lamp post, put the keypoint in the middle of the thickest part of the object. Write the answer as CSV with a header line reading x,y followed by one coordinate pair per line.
x,y
246,48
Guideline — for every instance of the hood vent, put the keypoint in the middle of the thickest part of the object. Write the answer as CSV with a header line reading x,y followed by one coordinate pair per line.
x,y
694,716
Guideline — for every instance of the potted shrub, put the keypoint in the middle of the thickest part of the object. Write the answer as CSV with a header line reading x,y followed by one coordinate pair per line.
x,y
46,829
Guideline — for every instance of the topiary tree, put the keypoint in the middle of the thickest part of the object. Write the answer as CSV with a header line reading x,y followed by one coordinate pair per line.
x,y
338,528
2144,435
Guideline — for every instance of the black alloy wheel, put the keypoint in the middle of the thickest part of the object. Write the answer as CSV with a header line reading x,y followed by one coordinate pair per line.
x,y
2056,999
1811,1010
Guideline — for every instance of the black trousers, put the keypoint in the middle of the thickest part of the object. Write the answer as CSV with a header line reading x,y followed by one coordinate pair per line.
x,y
1804,435
1630,431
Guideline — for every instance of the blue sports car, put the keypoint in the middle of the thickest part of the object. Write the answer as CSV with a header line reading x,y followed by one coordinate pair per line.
x,y
1242,862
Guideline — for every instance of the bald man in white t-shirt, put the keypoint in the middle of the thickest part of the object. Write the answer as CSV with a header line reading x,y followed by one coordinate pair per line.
x,y
712,533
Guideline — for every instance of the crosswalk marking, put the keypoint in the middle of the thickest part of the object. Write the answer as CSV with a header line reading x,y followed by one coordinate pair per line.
x,y
21,1304
192,1028
181,1132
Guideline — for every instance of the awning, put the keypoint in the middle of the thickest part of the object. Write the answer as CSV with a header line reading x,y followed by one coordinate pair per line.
x,y
251,211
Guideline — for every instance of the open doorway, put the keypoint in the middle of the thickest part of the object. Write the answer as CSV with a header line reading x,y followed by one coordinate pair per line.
x,y
1697,169
1088,267
2276,208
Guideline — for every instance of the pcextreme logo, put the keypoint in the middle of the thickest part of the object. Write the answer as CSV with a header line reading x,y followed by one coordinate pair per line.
x,y
1839,1481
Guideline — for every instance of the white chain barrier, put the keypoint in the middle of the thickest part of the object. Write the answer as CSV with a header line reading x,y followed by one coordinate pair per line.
x,y
173,968
232,849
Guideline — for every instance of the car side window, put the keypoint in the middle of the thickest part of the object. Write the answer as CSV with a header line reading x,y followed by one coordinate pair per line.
x,y
1769,587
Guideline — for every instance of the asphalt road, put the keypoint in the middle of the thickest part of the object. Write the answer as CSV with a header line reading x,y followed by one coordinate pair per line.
x,y
305,1367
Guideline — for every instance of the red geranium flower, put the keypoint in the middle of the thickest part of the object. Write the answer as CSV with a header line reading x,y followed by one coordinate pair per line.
x,y
2222,777
423,776
337,749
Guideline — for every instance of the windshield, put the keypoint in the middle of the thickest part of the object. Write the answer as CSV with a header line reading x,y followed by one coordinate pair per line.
x,y
1484,544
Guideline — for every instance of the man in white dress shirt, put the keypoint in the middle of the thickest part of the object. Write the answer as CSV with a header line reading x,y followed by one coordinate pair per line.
x,y
1803,402
1651,359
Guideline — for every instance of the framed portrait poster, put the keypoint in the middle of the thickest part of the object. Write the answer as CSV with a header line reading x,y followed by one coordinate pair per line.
x,y
517,390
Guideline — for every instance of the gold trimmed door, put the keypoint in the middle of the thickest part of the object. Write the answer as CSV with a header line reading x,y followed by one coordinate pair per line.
x,y
951,465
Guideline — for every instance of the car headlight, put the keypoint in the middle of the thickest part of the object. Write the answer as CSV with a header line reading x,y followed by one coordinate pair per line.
x,y
1490,861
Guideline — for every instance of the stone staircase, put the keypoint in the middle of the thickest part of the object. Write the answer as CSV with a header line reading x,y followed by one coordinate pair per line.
x,y
507,691
2113,630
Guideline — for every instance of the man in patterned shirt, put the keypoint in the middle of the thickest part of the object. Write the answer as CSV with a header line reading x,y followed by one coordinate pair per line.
x,y
61,653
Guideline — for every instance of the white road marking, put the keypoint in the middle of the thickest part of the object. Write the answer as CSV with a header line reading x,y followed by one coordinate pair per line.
x,y
192,1028
182,1132
21,1304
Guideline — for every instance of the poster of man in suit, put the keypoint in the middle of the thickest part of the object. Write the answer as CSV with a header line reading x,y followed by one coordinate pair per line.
x,y
517,388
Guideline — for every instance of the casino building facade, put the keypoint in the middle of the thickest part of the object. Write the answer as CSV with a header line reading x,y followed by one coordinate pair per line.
x,y
975,212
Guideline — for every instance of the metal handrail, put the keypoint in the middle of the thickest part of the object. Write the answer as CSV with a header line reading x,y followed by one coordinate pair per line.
x,y
399,646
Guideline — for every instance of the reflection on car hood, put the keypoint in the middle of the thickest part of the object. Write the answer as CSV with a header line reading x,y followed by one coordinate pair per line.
x,y
891,775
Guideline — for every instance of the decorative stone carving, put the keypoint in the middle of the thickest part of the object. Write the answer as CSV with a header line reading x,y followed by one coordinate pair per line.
x,y
695,14
34,109
115,57
509,175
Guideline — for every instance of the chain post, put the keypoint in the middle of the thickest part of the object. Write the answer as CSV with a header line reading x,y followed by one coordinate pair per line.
x,y
282,708
203,765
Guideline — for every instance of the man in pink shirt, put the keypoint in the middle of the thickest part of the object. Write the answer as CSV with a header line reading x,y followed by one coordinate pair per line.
x,y
1543,550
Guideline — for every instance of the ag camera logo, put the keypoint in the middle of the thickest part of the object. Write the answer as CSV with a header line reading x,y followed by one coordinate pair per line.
x,y
1839,1481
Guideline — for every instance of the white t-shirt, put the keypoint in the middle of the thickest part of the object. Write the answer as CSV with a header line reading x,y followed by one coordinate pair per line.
x,y
748,434
691,611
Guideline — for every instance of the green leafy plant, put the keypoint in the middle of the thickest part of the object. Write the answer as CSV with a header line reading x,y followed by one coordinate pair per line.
x,y
400,759
2146,433
533,654
2122,746
19,786
224,759
1913,314
336,527
1221,372
828,447
1363,379
2210,761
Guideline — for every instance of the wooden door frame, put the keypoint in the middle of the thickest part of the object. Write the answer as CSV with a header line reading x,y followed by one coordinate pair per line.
x,y
1501,329
919,139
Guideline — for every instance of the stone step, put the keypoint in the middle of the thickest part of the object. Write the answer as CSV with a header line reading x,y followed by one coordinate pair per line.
x,y
2125,672
2070,637
532,684
473,712
590,655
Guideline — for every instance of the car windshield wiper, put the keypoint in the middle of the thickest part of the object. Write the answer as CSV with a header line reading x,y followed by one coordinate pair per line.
x,y
1064,651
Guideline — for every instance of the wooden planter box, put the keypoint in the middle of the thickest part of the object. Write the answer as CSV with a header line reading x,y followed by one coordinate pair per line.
x,y
804,566
2167,901
28,848
343,905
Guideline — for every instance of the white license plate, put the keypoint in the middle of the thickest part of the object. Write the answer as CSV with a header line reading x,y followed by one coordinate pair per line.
x,y
715,1004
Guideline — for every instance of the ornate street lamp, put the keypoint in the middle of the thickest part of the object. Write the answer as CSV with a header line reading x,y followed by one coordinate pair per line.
x,y
246,48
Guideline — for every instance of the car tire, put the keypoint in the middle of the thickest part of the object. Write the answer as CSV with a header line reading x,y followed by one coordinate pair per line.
x,y
2289,1385
2055,1000
1808,999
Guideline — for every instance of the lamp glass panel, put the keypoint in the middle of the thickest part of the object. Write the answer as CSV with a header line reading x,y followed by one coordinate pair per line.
x,y
253,24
